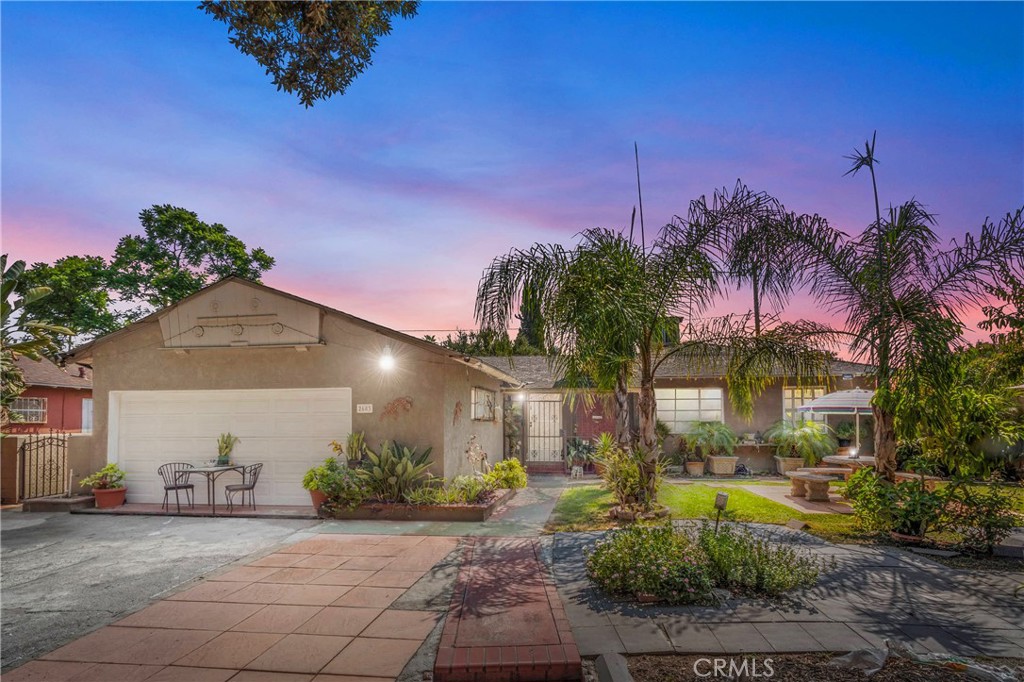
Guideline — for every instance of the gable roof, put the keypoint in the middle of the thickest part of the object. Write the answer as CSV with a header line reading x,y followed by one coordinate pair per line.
x,y
83,353
46,373
536,372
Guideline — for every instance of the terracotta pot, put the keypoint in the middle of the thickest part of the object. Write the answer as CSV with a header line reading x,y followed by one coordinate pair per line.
x,y
317,497
107,498
599,468
695,469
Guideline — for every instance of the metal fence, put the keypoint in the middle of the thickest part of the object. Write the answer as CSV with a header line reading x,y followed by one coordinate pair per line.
x,y
43,463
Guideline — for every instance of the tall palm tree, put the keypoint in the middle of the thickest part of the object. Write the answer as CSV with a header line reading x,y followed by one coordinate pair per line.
x,y
607,304
756,246
902,295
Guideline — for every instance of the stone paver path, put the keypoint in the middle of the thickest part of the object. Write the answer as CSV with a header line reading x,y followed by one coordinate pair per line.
x,y
332,608
872,594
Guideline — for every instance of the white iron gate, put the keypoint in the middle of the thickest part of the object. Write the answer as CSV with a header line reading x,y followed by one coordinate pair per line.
x,y
544,432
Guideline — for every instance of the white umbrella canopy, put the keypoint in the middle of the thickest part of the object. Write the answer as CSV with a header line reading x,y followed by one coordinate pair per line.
x,y
855,401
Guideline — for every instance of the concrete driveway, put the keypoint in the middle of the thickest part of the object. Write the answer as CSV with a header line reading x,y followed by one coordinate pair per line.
x,y
64,575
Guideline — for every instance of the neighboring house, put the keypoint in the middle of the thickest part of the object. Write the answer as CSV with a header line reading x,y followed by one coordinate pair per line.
x,y
54,398
287,376
540,416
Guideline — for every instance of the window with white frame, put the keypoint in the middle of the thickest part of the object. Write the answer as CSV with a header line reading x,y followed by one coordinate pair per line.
x,y
87,415
32,410
483,405
681,407
795,396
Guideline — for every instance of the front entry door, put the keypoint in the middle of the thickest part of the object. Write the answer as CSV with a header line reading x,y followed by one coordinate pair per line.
x,y
544,434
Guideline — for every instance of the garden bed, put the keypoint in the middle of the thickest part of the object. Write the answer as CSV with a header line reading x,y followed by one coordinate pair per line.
x,y
480,511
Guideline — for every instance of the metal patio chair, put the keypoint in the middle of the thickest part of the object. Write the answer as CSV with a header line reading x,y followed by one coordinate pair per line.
x,y
250,475
176,475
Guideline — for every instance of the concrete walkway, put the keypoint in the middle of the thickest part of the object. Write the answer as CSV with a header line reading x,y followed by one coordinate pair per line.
x,y
67,574
872,594
334,608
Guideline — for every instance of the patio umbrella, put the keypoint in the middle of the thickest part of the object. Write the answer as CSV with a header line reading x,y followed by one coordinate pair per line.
x,y
855,401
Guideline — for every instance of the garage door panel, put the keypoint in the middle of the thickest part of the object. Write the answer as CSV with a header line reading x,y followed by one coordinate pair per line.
x,y
287,430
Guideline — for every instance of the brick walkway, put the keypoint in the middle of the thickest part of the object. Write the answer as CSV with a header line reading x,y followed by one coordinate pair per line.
x,y
506,620
324,609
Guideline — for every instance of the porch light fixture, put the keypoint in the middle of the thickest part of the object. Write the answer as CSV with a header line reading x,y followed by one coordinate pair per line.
x,y
387,361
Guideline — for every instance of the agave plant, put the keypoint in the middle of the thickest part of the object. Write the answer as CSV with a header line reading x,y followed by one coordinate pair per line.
x,y
809,440
394,472
225,444
711,438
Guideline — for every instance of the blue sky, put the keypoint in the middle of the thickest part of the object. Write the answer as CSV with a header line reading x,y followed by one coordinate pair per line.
x,y
483,126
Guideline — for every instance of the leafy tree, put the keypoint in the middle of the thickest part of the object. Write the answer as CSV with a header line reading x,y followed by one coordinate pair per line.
x,y
78,299
177,256
901,296
1005,320
314,49
530,339
485,342
22,335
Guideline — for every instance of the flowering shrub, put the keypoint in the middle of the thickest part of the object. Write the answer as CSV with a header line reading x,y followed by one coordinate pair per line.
x,y
740,562
650,561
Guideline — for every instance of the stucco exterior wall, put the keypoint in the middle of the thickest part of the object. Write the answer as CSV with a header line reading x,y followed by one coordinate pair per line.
x,y
137,360
459,424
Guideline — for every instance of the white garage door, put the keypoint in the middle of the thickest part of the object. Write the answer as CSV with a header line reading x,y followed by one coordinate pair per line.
x,y
288,430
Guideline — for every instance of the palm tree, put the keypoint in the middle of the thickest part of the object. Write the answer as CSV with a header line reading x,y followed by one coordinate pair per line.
x,y
901,296
608,304
20,335
757,246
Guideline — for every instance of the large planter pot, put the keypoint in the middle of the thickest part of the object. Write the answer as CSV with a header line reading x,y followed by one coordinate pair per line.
x,y
844,442
722,466
107,498
784,464
599,468
695,469
317,498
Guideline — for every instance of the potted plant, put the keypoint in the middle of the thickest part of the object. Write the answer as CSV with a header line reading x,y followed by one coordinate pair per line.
x,y
694,464
319,479
578,453
107,486
804,442
845,433
714,442
225,444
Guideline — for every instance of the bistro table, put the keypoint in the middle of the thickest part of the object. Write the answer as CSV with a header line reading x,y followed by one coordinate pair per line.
x,y
211,473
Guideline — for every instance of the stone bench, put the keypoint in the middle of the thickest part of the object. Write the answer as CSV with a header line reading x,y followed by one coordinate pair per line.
x,y
930,482
843,472
814,487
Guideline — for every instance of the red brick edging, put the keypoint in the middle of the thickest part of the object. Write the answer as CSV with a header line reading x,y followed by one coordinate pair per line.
x,y
519,663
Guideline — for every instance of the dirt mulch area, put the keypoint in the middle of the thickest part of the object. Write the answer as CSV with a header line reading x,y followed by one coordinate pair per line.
x,y
795,668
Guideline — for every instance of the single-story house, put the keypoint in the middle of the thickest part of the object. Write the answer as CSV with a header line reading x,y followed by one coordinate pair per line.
x,y
285,375
540,417
55,398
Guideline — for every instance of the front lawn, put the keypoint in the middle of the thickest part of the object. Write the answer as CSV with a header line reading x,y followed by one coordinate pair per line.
x,y
586,508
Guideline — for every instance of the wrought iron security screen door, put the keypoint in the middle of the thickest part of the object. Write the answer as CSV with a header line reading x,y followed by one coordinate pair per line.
x,y
544,435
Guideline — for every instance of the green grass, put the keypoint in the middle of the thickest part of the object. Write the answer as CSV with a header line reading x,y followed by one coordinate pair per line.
x,y
586,508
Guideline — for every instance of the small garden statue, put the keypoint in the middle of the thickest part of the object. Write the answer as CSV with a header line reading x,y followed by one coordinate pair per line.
x,y
476,455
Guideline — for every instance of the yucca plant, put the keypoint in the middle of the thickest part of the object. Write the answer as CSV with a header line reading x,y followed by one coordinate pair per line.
x,y
394,472
711,438
809,440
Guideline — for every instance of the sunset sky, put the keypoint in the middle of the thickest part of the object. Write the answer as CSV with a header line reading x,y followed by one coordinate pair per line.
x,y
484,126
